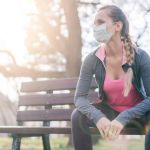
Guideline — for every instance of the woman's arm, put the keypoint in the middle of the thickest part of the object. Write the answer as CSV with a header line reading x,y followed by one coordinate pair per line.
x,y
81,99
140,109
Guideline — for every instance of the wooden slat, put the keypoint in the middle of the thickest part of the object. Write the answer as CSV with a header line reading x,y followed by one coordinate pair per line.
x,y
45,115
54,84
38,99
56,130
34,130
54,99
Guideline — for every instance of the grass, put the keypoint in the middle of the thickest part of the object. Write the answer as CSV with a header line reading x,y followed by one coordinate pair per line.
x,y
61,142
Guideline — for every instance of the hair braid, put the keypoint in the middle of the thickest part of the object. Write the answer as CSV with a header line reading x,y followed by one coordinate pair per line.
x,y
130,59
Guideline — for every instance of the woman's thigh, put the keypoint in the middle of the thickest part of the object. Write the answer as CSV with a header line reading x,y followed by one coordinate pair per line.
x,y
80,123
79,118
107,110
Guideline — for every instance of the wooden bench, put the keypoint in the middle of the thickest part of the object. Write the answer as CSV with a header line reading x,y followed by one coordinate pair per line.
x,y
41,101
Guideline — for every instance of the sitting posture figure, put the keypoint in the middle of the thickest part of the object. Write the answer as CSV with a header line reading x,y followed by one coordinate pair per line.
x,y
122,72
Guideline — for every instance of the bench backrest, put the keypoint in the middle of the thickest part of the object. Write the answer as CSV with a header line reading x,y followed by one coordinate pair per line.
x,y
42,100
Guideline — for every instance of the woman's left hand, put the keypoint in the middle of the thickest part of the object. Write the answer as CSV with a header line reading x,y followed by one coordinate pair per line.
x,y
115,129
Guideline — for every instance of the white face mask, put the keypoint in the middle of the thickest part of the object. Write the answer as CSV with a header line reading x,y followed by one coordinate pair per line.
x,y
101,34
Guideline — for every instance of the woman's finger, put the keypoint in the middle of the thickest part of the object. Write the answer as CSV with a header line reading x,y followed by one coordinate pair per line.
x,y
102,133
107,130
118,132
114,131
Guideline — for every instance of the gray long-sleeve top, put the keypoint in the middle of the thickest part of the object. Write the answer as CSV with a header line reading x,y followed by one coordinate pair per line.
x,y
93,66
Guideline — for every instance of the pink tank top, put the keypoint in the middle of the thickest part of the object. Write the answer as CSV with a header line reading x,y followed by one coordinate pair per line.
x,y
115,98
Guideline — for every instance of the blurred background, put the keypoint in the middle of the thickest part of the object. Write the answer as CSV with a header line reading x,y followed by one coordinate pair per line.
x,y
44,39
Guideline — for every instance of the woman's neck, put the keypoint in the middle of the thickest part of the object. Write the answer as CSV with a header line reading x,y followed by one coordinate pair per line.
x,y
114,48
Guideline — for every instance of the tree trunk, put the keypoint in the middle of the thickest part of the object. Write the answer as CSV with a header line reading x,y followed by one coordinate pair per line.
x,y
74,44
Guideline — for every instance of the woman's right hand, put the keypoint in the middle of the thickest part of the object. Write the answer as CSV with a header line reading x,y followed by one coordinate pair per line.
x,y
103,126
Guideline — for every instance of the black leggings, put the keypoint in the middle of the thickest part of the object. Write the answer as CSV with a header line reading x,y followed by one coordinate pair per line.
x,y
80,127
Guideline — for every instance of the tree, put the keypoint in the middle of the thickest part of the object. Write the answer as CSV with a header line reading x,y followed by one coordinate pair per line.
x,y
54,35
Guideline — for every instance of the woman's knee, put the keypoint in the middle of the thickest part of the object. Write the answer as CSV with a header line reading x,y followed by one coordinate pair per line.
x,y
79,123
75,115
78,118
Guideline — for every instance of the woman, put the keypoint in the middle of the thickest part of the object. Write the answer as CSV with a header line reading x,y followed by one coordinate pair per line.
x,y
122,72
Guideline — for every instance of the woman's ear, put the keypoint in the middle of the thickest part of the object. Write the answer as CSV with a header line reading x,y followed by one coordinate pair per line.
x,y
118,25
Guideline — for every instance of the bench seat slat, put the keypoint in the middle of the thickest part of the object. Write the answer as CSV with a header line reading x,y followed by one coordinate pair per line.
x,y
55,130
47,85
46,99
39,99
45,115
34,130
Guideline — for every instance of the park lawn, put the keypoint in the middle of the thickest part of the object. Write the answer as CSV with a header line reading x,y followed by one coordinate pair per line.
x,y
60,144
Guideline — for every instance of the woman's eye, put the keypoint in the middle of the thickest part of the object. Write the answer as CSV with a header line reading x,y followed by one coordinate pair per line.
x,y
99,22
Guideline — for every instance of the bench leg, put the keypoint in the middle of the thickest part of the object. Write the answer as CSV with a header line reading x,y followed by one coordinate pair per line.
x,y
46,143
16,143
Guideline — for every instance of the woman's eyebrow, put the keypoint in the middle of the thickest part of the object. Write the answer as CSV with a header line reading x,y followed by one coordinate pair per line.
x,y
99,21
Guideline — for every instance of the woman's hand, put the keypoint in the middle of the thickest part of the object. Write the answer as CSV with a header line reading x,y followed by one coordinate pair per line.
x,y
115,129
103,126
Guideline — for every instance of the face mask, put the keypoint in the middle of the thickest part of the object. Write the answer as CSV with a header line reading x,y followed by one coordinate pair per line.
x,y
101,34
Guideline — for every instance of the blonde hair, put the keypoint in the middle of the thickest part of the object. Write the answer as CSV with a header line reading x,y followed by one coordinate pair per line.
x,y
129,48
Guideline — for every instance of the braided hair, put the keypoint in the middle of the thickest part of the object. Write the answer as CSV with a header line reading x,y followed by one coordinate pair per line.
x,y
117,15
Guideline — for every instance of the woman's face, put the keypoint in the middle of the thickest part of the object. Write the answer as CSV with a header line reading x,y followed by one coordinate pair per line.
x,y
103,17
